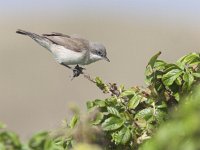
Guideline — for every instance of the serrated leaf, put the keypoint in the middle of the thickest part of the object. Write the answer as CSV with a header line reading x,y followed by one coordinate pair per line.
x,y
146,114
73,121
169,78
98,118
123,136
134,101
112,123
113,111
126,135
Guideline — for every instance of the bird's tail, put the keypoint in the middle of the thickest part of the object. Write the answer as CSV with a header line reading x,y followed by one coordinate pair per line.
x,y
32,35
19,31
39,39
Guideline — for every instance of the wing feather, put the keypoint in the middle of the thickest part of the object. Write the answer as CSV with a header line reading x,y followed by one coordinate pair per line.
x,y
75,43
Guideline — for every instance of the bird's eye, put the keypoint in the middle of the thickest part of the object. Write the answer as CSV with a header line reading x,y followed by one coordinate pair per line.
x,y
99,53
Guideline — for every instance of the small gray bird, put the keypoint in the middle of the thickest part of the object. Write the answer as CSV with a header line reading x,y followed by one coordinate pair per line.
x,y
70,50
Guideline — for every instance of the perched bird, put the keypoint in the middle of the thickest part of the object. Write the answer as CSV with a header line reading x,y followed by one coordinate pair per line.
x,y
70,49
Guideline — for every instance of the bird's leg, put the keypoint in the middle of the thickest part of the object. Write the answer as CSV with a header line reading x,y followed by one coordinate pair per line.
x,y
66,66
77,71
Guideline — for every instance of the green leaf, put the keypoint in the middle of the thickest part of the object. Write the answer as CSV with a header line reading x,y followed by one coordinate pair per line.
x,y
121,88
177,96
89,105
169,78
98,118
162,105
146,114
189,79
129,92
158,86
160,65
134,101
123,136
38,140
100,84
99,80
170,67
112,123
2,125
73,121
11,139
190,58
50,145
160,116
178,81
150,66
113,111
180,65
99,103
196,75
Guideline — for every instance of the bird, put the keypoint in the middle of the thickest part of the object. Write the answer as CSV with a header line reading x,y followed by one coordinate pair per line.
x,y
70,50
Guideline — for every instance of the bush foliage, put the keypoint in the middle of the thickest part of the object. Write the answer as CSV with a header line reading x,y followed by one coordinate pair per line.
x,y
128,118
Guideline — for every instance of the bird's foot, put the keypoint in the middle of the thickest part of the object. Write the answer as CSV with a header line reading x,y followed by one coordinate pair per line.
x,y
77,71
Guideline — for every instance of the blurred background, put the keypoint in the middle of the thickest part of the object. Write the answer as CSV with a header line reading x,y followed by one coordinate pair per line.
x,y
36,92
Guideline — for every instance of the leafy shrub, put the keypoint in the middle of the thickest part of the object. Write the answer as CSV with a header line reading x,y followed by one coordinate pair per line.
x,y
131,116
182,131
128,117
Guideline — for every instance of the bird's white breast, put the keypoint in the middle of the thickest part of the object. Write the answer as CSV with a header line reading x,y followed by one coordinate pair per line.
x,y
66,56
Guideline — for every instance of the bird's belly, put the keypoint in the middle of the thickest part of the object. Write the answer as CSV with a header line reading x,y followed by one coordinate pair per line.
x,y
66,56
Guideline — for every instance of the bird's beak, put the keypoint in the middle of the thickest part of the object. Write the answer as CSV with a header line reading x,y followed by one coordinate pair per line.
x,y
106,58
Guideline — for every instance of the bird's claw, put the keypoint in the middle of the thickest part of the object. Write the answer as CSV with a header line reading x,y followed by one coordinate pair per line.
x,y
77,71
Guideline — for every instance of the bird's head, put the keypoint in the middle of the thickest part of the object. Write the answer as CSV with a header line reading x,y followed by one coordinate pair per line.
x,y
98,52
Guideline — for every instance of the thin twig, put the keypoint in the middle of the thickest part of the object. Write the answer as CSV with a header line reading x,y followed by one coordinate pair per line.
x,y
87,76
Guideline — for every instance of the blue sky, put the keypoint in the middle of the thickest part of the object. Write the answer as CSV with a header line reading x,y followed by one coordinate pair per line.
x,y
173,7
186,12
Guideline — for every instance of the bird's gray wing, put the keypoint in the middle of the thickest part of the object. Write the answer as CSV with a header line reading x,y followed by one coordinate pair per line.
x,y
74,43
56,34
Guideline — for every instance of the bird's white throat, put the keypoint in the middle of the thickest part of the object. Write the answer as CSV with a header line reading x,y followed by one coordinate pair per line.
x,y
94,57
